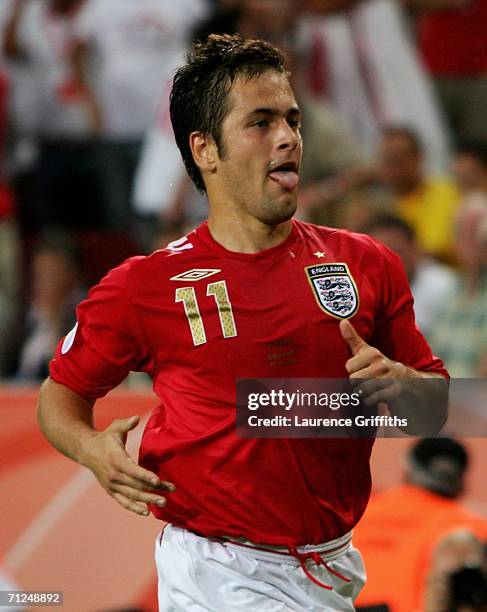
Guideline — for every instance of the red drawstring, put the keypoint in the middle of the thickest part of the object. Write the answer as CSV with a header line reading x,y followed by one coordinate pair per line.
x,y
303,557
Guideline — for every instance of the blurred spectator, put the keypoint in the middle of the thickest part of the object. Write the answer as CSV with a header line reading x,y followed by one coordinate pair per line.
x,y
39,34
452,41
401,527
125,56
23,82
9,247
459,332
363,62
427,203
470,170
361,205
10,286
457,581
56,288
431,283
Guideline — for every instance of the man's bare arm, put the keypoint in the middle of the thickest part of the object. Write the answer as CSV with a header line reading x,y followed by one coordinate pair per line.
x,y
78,60
11,47
66,419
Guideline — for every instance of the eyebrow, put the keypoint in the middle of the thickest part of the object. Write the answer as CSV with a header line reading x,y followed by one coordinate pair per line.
x,y
272,112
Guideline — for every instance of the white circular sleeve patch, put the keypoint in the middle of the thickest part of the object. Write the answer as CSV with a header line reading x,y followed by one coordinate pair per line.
x,y
68,341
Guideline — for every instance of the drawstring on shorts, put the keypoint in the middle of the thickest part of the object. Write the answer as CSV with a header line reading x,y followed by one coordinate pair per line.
x,y
314,556
329,553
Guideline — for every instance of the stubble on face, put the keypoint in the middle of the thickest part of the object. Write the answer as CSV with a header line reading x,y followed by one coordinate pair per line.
x,y
274,211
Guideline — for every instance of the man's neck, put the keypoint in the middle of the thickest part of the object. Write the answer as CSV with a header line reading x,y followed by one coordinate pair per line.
x,y
246,234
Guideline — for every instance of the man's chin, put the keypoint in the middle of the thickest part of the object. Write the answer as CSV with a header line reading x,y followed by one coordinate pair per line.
x,y
282,210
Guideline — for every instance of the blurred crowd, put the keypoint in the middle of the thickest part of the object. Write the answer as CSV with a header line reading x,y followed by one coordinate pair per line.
x,y
394,102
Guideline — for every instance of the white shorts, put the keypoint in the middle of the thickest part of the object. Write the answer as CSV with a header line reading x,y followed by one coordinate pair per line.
x,y
197,574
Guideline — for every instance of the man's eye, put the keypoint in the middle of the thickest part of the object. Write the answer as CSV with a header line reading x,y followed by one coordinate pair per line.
x,y
261,124
295,123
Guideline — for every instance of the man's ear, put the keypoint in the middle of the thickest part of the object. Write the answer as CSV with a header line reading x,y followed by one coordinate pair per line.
x,y
204,150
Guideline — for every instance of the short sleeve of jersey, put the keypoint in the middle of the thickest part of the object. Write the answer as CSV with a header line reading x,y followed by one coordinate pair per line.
x,y
106,343
396,334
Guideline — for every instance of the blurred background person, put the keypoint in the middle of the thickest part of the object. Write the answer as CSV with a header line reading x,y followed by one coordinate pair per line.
x,y
124,56
427,202
457,580
432,283
10,281
56,289
459,332
470,172
470,168
401,526
62,122
360,205
10,284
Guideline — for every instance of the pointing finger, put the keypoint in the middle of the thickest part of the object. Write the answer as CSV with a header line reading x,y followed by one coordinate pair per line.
x,y
351,337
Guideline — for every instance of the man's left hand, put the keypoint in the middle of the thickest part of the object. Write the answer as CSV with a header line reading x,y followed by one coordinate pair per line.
x,y
420,397
377,375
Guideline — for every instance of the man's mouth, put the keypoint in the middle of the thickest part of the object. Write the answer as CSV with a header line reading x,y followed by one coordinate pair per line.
x,y
286,175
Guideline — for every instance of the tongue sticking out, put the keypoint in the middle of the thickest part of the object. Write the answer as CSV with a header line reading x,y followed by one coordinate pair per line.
x,y
287,179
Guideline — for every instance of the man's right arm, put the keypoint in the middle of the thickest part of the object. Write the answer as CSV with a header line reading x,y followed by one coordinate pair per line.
x,y
12,48
66,419
78,60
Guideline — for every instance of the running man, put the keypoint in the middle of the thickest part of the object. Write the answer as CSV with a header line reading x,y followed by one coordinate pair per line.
x,y
253,524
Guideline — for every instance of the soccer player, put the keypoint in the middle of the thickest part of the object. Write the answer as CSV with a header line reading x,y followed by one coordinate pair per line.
x,y
253,524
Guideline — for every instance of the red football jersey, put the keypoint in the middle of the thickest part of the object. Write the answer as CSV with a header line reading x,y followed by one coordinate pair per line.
x,y
197,317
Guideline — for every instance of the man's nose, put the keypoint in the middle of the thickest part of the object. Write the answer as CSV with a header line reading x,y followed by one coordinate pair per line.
x,y
288,138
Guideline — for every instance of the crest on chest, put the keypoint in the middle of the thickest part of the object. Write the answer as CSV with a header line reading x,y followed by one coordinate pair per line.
x,y
334,289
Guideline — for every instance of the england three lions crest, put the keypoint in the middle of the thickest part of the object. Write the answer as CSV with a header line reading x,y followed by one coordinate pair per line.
x,y
334,289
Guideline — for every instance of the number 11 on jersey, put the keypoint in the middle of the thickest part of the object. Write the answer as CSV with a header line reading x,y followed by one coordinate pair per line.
x,y
218,290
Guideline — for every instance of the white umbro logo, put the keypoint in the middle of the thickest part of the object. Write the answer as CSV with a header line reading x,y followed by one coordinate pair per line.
x,y
182,244
195,274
